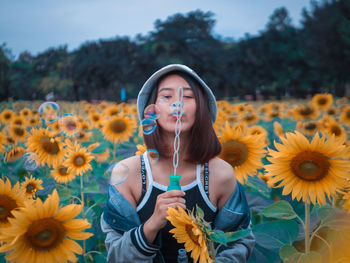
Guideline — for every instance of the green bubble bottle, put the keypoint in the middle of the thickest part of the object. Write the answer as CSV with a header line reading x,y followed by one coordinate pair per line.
x,y
174,182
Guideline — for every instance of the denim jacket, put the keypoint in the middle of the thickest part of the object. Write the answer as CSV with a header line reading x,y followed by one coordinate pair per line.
x,y
125,240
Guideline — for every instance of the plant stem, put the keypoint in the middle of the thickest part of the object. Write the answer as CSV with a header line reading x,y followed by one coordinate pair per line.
x,y
306,228
82,204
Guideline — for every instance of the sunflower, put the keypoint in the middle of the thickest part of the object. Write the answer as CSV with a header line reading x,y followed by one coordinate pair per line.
x,y
188,232
25,113
82,136
69,125
111,111
77,158
19,121
42,232
271,115
249,118
331,111
243,152
49,149
6,116
33,120
62,174
345,116
303,112
95,119
15,154
308,128
18,133
141,149
308,170
11,198
118,129
322,101
334,128
31,186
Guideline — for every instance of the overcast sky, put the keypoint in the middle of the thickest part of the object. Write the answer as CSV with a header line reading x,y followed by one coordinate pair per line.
x,y
36,25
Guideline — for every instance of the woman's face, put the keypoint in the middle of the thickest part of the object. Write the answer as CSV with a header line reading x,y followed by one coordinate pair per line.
x,y
167,95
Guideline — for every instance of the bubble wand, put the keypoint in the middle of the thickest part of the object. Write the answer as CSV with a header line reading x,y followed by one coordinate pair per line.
x,y
177,108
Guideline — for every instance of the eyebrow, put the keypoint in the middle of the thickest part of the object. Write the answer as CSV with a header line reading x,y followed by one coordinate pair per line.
x,y
171,88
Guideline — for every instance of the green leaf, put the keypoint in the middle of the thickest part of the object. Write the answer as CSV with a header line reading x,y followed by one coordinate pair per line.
x,y
275,234
233,236
92,188
199,212
219,237
279,210
289,254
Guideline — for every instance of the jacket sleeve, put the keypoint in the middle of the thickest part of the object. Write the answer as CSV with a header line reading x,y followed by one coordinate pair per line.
x,y
128,246
234,216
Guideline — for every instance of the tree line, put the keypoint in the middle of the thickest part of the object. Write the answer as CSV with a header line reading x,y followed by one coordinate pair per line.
x,y
282,60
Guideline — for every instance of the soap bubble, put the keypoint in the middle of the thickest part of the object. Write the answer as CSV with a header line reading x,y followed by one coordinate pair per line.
x,y
30,161
49,112
117,173
152,112
152,155
148,126
68,124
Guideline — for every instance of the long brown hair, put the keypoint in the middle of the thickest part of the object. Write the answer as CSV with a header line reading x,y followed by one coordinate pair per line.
x,y
204,142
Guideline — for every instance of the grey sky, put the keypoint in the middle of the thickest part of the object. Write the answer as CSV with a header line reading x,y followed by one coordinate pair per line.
x,y
39,24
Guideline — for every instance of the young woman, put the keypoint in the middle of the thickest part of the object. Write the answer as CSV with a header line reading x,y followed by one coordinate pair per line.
x,y
134,218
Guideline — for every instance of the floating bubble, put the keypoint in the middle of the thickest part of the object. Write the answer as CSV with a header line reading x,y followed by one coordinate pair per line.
x,y
68,124
117,173
49,112
30,161
153,156
152,111
148,125
176,109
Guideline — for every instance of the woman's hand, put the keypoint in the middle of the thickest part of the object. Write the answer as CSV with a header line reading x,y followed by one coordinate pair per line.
x,y
158,219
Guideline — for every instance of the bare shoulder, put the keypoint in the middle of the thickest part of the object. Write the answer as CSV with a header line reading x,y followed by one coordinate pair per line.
x,y
131,187
222,179
221,171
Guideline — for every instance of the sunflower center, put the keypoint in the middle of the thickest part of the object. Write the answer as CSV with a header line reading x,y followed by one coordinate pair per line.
x,y
335,130
331,112
274,114
79,160
256,132
249,117
118,126
7,116
48,146
7,204
348,114
18,122
18,131
306,111
30,188
96,118
45,233
310,126
63,170
322,101
235,152
191,235
310,166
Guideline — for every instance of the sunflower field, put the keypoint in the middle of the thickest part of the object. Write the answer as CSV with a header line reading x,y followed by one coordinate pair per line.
x,y
292,158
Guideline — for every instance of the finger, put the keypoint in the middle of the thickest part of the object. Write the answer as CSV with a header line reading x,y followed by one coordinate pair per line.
x,y
173,193
172,200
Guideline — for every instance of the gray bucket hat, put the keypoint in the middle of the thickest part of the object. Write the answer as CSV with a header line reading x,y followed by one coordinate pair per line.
x,y
146,89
